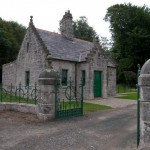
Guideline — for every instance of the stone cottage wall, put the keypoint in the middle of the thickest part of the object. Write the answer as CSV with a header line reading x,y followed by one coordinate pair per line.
x,y
101,65
9,71
72,67
111,81
58,65
108,82
86,88
68,65
96,65
30,58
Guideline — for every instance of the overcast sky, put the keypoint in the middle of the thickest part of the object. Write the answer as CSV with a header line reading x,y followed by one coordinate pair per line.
x,y
47,13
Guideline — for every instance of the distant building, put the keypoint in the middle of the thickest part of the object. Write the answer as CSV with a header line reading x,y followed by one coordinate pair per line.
x,y
71,57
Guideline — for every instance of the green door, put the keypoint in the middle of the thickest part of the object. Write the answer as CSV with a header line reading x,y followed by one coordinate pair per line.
x,y
97,84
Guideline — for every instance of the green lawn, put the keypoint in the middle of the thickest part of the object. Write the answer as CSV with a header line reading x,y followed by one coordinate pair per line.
x,y
87,107
12,98
130,95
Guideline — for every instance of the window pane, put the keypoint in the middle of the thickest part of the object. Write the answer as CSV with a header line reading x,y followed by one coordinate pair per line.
x,y
64,77
83,77
27,78
27,47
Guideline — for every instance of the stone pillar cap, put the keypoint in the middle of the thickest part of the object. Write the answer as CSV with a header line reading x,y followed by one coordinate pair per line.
x,y
146,68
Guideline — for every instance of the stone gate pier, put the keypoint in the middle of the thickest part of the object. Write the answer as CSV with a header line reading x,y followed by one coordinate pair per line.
x,y
144,84
46,97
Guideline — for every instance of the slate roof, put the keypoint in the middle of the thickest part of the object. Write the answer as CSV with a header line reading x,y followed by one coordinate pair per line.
x,y
65,49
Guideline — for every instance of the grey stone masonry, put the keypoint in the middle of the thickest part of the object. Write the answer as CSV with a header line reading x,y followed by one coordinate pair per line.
x,y
144,83
46,99
9,71
66,27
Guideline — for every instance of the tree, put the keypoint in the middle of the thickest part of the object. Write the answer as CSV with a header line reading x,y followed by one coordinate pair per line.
x,y
82,30
130,78
130,28
105,43
7,46
11,36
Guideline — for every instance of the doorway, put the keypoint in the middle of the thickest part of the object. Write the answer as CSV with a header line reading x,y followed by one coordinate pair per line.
x,y
97,84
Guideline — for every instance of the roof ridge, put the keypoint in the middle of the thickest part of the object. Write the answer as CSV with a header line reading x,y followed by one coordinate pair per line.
x,y
50,32
83,40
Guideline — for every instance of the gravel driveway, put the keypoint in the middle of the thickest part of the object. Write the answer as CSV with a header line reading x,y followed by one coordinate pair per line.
x,y
113,102
102,130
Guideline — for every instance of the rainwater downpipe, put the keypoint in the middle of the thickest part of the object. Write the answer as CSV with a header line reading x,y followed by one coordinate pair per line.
x,y
75,79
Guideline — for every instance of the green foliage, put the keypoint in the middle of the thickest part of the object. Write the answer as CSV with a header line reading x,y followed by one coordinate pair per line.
x,y
105,43
82,30
7,46
130,28
122,88
11,36
130,77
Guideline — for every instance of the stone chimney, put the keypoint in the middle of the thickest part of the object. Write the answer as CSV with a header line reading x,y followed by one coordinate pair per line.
x,y
66,27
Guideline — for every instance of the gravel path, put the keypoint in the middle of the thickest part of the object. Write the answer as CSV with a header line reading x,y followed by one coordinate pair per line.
x,y
102,130
113,102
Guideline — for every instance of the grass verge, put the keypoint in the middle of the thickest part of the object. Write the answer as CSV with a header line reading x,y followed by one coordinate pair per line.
x,y
89,107
17,99
130,96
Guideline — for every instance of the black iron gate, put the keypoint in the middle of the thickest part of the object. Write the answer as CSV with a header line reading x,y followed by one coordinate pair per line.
x,y
68,100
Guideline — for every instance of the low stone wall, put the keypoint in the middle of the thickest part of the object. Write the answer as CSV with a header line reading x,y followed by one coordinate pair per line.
x,y
25,108
8,75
